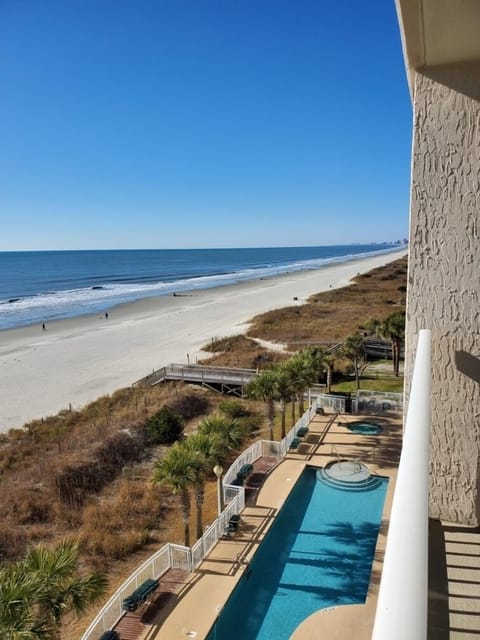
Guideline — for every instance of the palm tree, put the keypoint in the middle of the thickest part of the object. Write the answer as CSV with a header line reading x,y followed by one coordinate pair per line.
x,y
329,360
179,470
60,589
393,329
209,452
353,348
264,387
228,433
284,392
17,598
39,589
304,369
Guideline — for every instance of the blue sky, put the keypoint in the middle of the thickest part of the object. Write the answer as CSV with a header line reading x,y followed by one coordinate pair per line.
x,y
201,123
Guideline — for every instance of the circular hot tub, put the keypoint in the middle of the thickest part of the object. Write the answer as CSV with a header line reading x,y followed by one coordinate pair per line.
x,y
348,475
364,428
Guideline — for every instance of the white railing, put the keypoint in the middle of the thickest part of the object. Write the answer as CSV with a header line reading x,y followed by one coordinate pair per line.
x,y
303,422
169,556
330,402
403,596
247,457
234,492
212,535
378,402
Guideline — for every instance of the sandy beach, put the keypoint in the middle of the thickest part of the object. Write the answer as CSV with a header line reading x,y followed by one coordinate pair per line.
x,y
75,361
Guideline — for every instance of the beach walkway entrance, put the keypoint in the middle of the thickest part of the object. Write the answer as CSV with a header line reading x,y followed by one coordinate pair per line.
x,y
230,381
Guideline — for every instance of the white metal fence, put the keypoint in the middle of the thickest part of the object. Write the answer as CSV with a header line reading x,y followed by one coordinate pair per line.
x,y
377,402
334,404
169,556
212,535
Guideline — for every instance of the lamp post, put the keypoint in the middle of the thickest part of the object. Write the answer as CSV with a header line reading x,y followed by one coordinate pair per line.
x,y
218,471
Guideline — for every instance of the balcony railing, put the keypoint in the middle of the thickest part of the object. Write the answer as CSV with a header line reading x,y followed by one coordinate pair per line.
x,y
403,597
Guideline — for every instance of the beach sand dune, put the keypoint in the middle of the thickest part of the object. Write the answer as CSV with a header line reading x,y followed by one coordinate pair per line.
x,y
73,362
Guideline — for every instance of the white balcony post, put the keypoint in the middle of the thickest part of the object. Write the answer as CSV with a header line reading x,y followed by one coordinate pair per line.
x,y
403,597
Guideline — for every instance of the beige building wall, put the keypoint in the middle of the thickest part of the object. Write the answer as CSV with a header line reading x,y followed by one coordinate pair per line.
x,y
444,278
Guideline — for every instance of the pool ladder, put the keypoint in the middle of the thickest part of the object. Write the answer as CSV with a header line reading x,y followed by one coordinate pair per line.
x,y
334,451
357,464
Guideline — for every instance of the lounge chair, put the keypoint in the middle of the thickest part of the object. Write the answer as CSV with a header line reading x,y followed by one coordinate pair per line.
x,y
230,529
109,635
301,432
295,443
244,472
232,525
140,595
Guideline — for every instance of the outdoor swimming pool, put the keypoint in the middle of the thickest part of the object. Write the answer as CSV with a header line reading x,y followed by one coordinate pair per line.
x,y
317,554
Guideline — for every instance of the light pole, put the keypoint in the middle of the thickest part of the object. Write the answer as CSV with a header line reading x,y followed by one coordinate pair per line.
x,y
218,471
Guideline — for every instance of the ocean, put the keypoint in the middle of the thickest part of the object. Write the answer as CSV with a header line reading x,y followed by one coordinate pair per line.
x,y
41,286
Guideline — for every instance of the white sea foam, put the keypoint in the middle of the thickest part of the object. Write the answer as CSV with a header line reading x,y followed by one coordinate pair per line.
x,y
69,303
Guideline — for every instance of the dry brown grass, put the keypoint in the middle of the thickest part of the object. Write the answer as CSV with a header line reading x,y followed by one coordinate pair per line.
x,y
54,472
331,316
240,351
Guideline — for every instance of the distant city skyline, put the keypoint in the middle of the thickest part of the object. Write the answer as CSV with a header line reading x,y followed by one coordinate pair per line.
x,y
216,124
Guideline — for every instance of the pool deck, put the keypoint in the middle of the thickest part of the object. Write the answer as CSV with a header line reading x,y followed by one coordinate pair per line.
x,y
206,590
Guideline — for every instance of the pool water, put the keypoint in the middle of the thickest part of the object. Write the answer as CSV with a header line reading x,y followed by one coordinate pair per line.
x,y
317,554
364,428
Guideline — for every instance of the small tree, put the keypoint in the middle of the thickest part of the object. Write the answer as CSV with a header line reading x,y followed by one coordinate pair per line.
x,y
164,427
228,433
354,349
284,393
330,364
209,451
393,329
38,590
263,387
304,369
179,470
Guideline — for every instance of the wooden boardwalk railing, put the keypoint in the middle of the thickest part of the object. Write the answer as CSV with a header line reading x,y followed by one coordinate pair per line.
x,y
229,380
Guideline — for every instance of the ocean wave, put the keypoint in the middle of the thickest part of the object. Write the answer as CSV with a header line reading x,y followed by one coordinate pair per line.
x,y
54,305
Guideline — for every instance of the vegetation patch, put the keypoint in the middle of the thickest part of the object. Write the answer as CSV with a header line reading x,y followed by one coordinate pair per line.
x,y
240,351
164,427
329,317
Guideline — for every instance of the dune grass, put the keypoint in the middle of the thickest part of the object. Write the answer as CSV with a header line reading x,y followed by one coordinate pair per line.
x,y
331,316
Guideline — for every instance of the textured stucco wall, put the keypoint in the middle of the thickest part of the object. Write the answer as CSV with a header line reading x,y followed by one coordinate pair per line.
x,y
444,279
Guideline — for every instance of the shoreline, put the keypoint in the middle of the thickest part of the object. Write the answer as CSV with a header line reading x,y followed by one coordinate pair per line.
x,y
77,360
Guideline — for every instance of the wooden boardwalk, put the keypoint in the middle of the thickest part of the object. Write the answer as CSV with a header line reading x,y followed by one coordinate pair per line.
x,y
227,380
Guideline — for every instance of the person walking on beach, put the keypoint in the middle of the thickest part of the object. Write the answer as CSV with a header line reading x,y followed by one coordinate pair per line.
x,y
106,315
44,327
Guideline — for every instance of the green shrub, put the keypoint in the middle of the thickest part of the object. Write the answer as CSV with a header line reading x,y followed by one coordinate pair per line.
x,y
233,409
250,424
164,427
190,405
